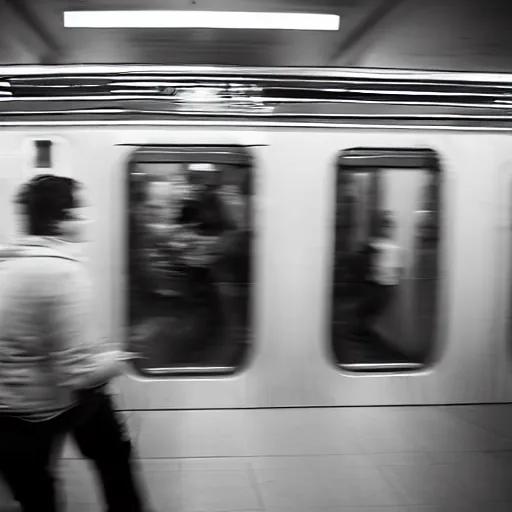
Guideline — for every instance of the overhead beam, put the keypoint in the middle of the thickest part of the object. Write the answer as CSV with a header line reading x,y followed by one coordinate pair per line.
x,y
24,27
353,47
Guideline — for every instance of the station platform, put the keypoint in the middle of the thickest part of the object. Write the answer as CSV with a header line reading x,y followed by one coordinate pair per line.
x,y
393,459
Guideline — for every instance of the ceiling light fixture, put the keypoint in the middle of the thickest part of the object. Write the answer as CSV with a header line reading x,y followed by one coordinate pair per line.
x,y
201,19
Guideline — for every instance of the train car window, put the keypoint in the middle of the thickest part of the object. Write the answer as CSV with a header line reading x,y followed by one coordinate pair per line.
x,y
386,265
190,259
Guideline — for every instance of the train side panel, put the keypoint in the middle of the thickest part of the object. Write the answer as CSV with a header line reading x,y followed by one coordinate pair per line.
x,y
292,362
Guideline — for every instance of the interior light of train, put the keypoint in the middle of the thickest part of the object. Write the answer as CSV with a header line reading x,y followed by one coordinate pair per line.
x,y
137,91
201,19
201,167
201,94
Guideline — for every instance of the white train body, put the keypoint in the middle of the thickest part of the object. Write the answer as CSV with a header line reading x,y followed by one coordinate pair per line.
x,y
294,160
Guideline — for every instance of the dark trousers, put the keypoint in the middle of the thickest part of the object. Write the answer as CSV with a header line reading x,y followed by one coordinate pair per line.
x,y
102,437
26,451
25,455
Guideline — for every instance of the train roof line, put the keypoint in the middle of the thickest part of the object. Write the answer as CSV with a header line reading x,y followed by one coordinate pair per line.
x,y
305,93
237,71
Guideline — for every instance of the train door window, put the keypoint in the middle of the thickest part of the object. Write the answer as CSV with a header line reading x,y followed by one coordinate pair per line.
x,y
190,259
386,265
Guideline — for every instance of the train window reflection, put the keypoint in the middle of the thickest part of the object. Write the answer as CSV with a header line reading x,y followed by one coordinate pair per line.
x,y
386,268
190,250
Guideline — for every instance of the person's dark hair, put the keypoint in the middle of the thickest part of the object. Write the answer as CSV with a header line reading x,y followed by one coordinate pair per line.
x,y
46,200
208,211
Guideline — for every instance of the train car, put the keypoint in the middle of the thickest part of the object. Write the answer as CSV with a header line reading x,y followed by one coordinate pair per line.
x,y
240,214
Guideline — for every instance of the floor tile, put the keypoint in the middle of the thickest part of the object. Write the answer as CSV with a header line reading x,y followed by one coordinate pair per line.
x,y
396,459
292,488
399,459
487,481
427,485
164,490
215,464
281,463
345,509
300,432
496,418
219,491
475,507
166,465
360,486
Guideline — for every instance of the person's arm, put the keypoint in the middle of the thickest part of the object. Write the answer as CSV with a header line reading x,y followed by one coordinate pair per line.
x,y
75,353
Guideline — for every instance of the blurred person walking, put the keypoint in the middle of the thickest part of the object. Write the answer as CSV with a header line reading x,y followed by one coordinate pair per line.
x,y
54,369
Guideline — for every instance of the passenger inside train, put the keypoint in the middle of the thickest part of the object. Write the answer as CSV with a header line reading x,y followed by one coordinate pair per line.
x,y
190,237
382,276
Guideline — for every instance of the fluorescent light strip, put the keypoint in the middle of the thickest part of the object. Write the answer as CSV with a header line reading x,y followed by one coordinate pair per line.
x,y
201,19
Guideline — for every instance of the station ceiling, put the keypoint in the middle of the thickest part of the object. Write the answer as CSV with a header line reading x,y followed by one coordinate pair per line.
x,y
462,35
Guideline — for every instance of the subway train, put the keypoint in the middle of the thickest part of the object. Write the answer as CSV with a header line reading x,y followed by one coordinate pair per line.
x,y
239,214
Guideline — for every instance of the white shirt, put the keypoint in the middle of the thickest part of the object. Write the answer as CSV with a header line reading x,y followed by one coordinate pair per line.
x,y
48,338
387,262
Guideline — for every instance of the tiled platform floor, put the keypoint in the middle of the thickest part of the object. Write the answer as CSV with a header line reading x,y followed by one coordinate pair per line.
x,y
424,459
